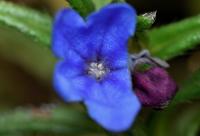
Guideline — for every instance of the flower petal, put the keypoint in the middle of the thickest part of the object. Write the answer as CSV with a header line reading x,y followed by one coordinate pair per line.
x,y
106,31
66,74
66,26
111,27
112,102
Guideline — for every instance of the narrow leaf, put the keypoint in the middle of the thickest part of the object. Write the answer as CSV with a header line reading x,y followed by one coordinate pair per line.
x,y
190,89
179,121
100,3
34,57
47,121
172,40
114,1
84,7
28,21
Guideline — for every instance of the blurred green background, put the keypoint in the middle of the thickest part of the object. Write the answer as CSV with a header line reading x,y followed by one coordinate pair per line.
x,y
26,69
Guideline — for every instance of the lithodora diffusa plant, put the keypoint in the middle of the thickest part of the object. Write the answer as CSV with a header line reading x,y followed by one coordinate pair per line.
x,y
120,91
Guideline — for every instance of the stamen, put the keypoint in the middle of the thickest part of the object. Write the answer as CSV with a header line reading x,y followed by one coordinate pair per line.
x,y
98,70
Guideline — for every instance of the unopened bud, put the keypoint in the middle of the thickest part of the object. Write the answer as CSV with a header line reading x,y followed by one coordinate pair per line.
x,y
154,87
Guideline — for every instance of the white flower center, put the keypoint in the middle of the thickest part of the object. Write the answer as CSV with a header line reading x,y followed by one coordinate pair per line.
x,y
98,70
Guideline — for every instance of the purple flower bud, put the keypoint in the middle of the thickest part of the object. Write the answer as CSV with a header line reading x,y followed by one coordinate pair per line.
x,y
154,87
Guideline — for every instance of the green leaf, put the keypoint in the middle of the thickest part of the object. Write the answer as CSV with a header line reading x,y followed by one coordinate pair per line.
x,y
47,121
100,3
190,89
18,48
84,7
114,1
28,21
172,40
179,121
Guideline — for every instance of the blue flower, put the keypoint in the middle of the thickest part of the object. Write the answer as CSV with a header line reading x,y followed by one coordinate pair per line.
x,y
93,66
